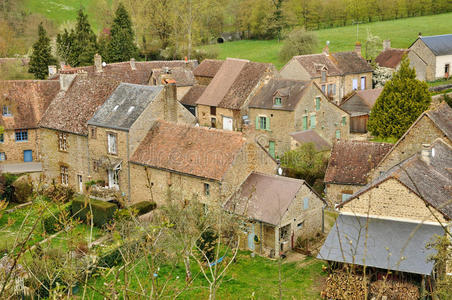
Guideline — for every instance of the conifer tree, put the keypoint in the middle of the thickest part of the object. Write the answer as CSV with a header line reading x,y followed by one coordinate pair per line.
x,y
78,46
121,46
400,103
42,55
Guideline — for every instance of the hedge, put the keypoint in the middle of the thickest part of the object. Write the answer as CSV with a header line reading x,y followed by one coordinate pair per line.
x,y
143,207
102,211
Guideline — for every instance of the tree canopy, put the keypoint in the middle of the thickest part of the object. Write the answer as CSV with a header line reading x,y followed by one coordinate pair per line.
x,y
42,55
400,103
298,42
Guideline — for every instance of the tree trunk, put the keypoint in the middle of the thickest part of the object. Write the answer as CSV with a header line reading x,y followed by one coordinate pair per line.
x,y
188,277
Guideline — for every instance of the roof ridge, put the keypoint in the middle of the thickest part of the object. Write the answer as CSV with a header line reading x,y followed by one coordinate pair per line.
x,y
202,128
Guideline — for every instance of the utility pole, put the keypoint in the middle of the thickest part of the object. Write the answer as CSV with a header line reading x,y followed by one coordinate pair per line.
x,y
357,29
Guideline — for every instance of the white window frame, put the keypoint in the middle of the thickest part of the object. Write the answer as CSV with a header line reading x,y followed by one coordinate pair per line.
x,y
64,174
62,141
355,84
112,139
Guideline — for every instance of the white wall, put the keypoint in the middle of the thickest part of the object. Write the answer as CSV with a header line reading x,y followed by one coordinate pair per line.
x,y
441,61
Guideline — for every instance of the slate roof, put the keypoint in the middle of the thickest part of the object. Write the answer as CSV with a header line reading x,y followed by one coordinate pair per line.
x,y
391,58
291,92
233,83
193,95
182,76
28,100
390,244
351,63
439,44
311,136
351,161
430,181
125,105
265,198
208,68
442,117
196,151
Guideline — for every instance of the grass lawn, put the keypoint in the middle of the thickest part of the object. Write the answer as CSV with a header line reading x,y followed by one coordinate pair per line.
x,y
248,278
402,33
439,82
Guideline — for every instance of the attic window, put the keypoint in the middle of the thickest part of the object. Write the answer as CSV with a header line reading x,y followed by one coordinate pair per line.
x,y
323,75
6,111
115,108
278,101
131,109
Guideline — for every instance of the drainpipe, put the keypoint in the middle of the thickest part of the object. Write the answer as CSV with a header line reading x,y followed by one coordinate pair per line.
x,y
128,168
323,218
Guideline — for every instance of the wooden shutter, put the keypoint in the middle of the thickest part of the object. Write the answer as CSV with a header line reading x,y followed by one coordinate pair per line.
x,y
257,122
267,123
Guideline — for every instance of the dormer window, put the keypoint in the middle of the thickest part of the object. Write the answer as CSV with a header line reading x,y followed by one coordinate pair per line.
x,y
278,101
6,111
323,76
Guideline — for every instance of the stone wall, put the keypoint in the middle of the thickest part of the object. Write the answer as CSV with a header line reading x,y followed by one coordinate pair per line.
x,y
14,151
334,192
423,132
204,117
423,60
348,82
391,199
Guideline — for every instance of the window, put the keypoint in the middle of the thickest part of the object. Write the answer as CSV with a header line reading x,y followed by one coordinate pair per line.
x,y
363,82
262,122
64,175
278,101
2,156
96,164
213,122
300,225
206,189
21,135
62,141
2,137
313,121
213,110
355,84
113,178
323,76
93,132
306,203
346,196
331,89
338,134
317,103
6,111
344,121
112,149
324,88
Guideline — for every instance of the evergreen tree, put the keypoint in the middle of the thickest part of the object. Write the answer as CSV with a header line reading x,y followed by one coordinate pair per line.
x,y
78,46
42,55
401,102
121,46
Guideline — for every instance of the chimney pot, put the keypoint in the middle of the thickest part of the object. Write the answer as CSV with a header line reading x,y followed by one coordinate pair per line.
x,y
132,64
358,48
386,45
98,63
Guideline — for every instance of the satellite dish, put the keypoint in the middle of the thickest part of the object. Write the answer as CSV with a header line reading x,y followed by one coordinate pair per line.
x,y
104,64
280,171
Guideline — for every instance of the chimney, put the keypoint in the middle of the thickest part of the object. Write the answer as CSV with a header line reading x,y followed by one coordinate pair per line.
x,y
132,64
66,78
52,70
386,45
426,153
358,48
170,102
98,63
419,35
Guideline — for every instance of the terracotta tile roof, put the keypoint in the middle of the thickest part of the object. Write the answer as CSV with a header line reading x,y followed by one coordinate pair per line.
x,y
310,136
290,91
265,198
351,161
351,63
234,82
391,58
193,95
182,76
28,100
432,181
208,68
313,64
197,151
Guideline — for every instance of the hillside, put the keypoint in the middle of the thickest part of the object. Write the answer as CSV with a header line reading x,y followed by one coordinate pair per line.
x,y
401,32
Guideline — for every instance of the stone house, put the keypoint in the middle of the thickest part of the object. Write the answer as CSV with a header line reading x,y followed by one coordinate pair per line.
x,y
224,103
121,123
431,56
284,107
23,103
390,58
183,77
358,105
63,128
180,163
206,71
431,125
279,211
337,74
349,166
190,98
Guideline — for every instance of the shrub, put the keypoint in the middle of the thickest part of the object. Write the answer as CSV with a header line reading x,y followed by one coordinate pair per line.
x,y
53,222
59,193
6,186
143,207
298,42
102,211
23,190
207,243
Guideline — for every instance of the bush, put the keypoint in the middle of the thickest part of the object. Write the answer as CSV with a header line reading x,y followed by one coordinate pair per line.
x,y
59,193
298,42
6,186
23,190
143,207
102,211
53,222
